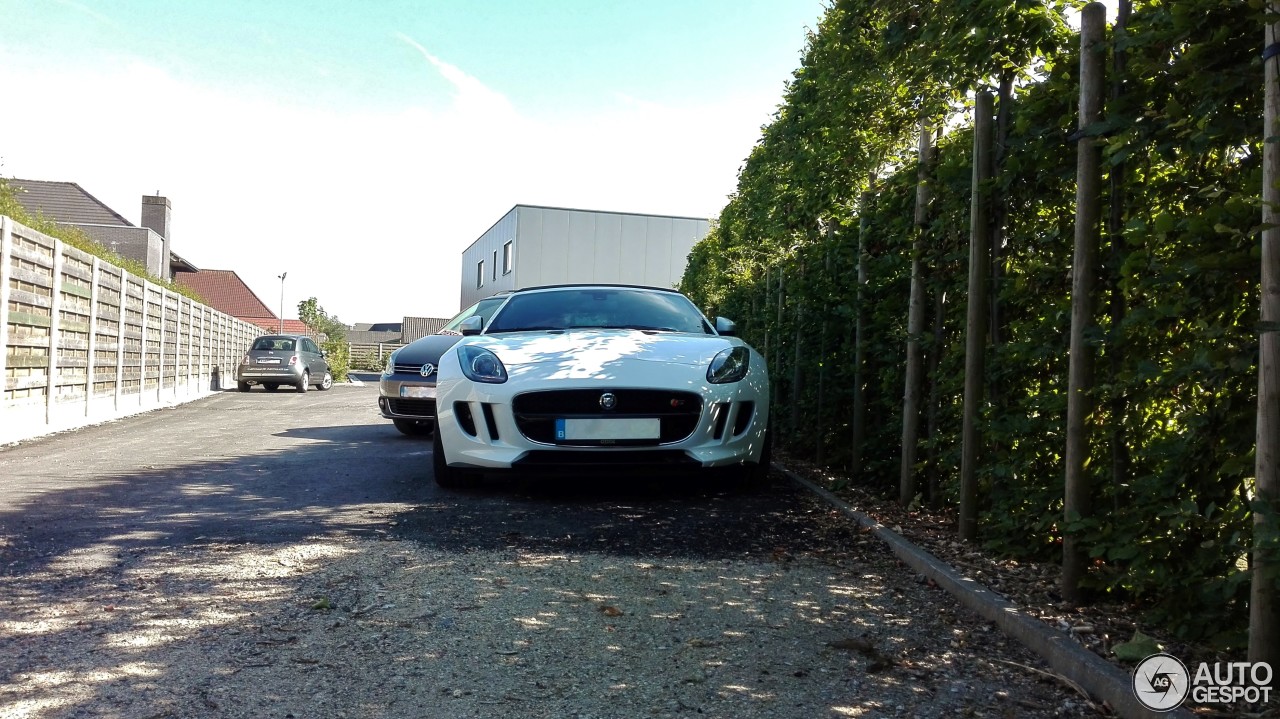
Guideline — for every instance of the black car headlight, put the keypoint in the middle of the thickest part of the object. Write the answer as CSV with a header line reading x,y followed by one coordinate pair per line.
x,y
481,365
729,365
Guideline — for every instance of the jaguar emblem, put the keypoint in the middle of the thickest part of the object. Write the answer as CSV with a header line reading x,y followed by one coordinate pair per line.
x,y
608,401
427,370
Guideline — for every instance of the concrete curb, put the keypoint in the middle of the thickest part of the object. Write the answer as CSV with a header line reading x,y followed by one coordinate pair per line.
x,y
1094,674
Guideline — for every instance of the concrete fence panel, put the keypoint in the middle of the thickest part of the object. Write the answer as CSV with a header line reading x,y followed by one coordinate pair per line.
x,y
83,341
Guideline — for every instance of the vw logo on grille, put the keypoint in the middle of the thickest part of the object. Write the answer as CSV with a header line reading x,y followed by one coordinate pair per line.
x,y
608,401
427,370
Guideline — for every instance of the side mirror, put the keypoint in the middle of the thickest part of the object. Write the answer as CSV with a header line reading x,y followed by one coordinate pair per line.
x,y
726,327
471,326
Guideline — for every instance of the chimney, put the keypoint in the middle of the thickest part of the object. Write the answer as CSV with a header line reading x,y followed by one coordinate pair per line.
x,y
156,216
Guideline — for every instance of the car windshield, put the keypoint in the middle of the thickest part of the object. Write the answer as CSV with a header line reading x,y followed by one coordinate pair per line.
x,y
599,308
274,343
483,309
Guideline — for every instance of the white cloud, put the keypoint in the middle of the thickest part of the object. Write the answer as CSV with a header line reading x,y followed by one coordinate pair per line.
x,y
368,212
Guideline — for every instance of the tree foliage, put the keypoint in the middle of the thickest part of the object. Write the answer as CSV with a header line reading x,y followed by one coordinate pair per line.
x,y
333,338
1173,524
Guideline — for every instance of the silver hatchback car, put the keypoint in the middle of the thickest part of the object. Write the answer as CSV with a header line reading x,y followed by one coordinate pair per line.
x,y
274,360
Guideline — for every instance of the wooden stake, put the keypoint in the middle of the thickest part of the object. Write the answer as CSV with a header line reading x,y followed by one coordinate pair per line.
x,y
1080,401
1264,610
915,325
976,320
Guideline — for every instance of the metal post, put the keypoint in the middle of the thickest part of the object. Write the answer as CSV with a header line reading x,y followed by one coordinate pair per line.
x,y
282,276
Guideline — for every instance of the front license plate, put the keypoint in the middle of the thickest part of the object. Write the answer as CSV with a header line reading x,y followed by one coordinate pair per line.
x,y
418,392
609,428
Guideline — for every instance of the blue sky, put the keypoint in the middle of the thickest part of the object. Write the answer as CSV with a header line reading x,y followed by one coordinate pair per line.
x,y
360,146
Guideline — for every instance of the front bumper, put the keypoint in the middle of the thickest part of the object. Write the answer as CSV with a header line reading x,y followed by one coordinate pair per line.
x,y
479,430
406,397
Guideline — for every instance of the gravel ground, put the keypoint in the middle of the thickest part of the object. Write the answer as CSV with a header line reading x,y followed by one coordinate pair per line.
x,y
519,602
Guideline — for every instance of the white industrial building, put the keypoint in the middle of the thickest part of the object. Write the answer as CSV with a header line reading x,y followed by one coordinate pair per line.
x,y
533,246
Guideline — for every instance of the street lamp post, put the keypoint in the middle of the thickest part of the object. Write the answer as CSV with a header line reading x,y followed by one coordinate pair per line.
x,y
282,276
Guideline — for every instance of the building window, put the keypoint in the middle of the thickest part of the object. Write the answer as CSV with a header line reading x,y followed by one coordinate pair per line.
x,y
480,274
506,258
495,264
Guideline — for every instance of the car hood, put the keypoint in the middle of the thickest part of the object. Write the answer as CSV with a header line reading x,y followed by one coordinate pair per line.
x,y
426,350
600,348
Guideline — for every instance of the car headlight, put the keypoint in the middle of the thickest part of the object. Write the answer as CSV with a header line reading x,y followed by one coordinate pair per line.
x,y
729,365
391,363
481,365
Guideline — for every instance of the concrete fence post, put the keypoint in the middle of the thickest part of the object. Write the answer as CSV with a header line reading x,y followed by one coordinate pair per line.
x,y
122,314
164,313
55,319
142,368
6,269
191,343
91,362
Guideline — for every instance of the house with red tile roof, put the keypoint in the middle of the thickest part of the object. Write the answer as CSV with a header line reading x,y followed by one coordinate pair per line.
x,y
224,291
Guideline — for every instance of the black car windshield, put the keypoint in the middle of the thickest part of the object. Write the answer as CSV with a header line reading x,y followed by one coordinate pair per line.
x,y
599,308
483,309
274,343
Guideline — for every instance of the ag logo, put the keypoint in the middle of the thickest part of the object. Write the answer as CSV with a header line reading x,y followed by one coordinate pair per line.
x,y
1161,682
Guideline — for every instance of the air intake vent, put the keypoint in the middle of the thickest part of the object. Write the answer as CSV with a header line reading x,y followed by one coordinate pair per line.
x,y
462,411
745,412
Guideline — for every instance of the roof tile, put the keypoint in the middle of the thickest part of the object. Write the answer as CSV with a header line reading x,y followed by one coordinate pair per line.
x,y
224,291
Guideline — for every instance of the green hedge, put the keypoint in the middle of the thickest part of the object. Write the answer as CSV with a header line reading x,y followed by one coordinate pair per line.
x,y
1172,438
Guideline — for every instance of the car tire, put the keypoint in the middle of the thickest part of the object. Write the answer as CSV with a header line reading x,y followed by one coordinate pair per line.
x,y
271,386
410,428
445,476
243,386
326,382
306,381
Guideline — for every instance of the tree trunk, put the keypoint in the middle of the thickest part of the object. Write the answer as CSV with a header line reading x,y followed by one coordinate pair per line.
x,y
859,342
764,320
797,376
1077,503
935,401
780,395
976,318
915,324
1264,610
820,440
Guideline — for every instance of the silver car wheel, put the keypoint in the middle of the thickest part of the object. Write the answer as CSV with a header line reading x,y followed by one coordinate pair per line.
x,y
325,383
306,380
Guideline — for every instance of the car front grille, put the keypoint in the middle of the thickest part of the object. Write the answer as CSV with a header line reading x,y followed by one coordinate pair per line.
x,y
536,413
400,368
412,407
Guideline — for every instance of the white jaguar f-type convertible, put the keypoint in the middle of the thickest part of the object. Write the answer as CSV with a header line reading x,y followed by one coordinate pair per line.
x,y
600,379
